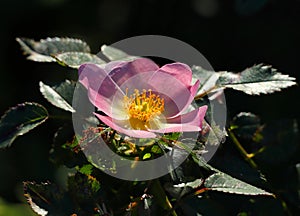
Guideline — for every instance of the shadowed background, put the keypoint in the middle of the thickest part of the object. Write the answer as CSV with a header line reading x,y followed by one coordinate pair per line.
x,y
232,35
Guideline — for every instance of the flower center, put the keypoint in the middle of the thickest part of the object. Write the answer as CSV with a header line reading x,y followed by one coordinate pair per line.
x,y
143,107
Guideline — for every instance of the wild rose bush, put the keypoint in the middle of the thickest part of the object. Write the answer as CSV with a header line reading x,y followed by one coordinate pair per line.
x,y
134,102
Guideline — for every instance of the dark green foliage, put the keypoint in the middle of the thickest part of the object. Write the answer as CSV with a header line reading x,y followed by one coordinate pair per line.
x,y
82,197
246,125
45,198
19,120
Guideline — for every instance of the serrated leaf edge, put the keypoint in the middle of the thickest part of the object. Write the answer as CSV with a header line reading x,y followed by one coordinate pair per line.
x,y
44,118
67,106
236,192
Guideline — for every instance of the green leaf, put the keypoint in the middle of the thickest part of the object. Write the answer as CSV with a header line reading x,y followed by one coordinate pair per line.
x,y
147,156
225,183
212,134
207,78
161,198
172,136
19,120
64,150
259,79
84,188
114,54
230,162
246,125
182,189
81,197
75,59
86,169
219,181
55,95
45,198
281,141
156,149
43,50
194,184
66,90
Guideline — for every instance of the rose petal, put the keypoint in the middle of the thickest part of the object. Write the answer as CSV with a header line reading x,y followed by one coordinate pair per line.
x,y
188,122
123,71
101,88
193,91
182,101
181,71
113,64
179,95
118,125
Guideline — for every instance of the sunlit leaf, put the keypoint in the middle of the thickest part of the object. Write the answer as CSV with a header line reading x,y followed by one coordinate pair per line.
x,y
75,59
114,54
182,189
212,134
55,96
156,149
19,120
43,50
146,156
259,79
207,78
172,136
193,184
86,169
38,210
225,183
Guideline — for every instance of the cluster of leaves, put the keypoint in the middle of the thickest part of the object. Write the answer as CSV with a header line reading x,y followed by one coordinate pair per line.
x,y
191,189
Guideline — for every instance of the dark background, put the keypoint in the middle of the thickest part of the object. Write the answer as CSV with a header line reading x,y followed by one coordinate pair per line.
x,y
232,35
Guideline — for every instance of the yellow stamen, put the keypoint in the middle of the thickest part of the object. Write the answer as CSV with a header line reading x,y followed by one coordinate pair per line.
x,y
143,107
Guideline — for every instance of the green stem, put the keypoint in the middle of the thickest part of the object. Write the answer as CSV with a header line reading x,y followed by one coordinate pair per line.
x,y
205,93
244,153
248,158
162,199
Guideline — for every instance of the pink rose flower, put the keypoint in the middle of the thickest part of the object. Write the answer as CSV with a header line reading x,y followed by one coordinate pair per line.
x,y
139,99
